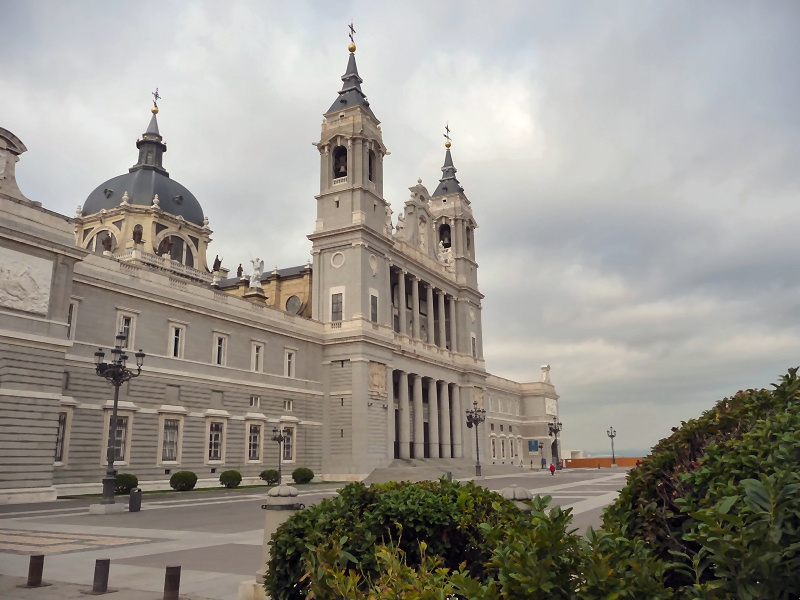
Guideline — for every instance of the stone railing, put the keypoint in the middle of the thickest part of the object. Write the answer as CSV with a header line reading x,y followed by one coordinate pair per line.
x,y
339,180
135,256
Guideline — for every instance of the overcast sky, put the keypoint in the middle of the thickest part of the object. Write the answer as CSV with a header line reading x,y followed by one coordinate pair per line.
x,y
633,166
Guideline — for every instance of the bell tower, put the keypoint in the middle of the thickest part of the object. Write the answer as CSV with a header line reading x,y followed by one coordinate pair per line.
x,y
352,214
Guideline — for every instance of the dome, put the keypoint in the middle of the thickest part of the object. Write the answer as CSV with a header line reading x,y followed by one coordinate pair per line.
x,y
144,180
142,185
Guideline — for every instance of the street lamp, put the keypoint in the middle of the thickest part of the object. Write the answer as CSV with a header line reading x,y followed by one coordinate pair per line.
x,y
117,373
555,428
279,435
476,416
612,433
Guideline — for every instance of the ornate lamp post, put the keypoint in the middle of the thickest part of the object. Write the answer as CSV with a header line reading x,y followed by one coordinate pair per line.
x,y
555,428
279,435
117,373
612,433
476,416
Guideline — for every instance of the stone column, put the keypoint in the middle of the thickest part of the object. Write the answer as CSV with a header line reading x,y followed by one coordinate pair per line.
x,y
419,419
433,419
405,417
442,321
457,419
431,323
390,425
415,306
453,332
401,285
444,420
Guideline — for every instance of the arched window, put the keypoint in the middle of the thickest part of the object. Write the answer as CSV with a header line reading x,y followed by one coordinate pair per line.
x,y
339,162
444,234
98,243
177,249
372,165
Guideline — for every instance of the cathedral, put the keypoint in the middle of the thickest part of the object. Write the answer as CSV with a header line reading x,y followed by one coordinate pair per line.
x,y
367,355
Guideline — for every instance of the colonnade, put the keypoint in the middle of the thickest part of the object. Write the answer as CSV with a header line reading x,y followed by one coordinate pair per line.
x,y
438,326
445,422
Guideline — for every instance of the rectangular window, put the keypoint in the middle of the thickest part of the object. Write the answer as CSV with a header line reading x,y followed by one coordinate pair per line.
x,y
61,434
254,443
177,339
126,325
502,448
169,448
373,309
336,307
288,444
474,347
255,401
257,360
215,440
511,447
510,428
120,438
220,347
288,405
494,449
290,357
72,313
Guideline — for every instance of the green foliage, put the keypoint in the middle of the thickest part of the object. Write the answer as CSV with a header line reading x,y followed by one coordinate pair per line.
x,y
302,475
270,476
125,483
717,498
230,479
182,481
447,516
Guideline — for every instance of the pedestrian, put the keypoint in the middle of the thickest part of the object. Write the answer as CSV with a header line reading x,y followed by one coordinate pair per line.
x,y
544,463
552,469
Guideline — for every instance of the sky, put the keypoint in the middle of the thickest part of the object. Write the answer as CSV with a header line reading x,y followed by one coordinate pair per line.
x,y
632,166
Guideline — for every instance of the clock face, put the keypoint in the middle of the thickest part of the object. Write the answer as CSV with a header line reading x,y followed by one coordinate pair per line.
x,y
293,305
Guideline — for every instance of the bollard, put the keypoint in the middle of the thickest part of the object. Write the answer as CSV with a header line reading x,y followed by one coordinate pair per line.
x,y
449,476
135,500
101,568
172,583
598,465
35,568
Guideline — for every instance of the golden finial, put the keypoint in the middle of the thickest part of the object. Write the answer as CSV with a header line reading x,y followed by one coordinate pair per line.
x,y
447,144
352,46
156,98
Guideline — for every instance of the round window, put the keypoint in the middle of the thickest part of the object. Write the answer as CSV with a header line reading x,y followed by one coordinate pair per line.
x,y
293,305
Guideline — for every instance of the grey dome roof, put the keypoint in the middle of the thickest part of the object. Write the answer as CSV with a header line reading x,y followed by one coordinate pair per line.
x,y
141,186
144,180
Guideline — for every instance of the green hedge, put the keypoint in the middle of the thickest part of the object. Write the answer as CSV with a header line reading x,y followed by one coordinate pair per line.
x,y
270,476
182,481
231,478
302,475
125,483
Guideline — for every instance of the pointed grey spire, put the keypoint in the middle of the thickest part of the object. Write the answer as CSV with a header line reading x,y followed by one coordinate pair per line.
x,y
351,94
152,129
448,184
151,147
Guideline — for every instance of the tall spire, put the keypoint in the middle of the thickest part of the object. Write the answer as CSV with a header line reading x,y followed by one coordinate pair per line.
x,y
448,184
151,147
351,94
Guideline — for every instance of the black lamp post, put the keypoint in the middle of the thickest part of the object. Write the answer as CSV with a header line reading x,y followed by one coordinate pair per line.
x,y
279,435
476,416
555,428
117,373
612,433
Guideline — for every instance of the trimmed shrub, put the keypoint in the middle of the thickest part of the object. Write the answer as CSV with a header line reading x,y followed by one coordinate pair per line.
x,y
231,478
302,475
270,476
182,481
125,483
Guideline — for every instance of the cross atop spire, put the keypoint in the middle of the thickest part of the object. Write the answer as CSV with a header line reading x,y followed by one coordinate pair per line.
x,y
352,32
447,144
156,98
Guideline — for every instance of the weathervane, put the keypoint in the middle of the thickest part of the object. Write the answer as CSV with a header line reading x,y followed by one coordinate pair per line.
x,y
352,32
447,135
156,98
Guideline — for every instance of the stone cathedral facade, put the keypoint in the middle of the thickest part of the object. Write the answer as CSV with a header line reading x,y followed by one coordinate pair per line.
x,y
368,354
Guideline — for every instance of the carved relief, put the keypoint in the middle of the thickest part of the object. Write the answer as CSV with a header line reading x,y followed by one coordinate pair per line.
x,y
24,281
377,377
477,396
551,406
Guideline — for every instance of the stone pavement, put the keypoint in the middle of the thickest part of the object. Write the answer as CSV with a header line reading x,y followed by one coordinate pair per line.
x,y
214,536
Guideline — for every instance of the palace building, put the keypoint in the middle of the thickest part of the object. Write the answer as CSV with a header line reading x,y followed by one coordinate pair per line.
x,y
366,356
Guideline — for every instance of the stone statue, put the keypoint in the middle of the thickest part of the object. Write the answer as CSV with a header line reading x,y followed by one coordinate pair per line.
x,y
388,226
423,235
137,234
401,225
107,242
239,271
217,263
258,270
440,252
165,246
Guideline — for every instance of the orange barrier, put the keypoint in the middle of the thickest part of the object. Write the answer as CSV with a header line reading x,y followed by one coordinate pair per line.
x,y
603,461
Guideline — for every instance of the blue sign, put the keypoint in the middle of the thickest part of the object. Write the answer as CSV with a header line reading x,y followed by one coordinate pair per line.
x,y
533,445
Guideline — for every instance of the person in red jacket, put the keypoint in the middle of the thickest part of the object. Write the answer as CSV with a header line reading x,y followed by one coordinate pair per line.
x,y
552,469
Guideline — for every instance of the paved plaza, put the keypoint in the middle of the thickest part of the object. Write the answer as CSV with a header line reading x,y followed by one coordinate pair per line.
x,y
215,536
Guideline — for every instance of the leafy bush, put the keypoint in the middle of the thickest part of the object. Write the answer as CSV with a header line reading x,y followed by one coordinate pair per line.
x,y
302,475
448,516
182,481
718,497
270,476
231,478
125,483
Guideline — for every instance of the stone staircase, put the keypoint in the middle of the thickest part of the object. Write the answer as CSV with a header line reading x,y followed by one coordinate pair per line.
x,y
426,469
